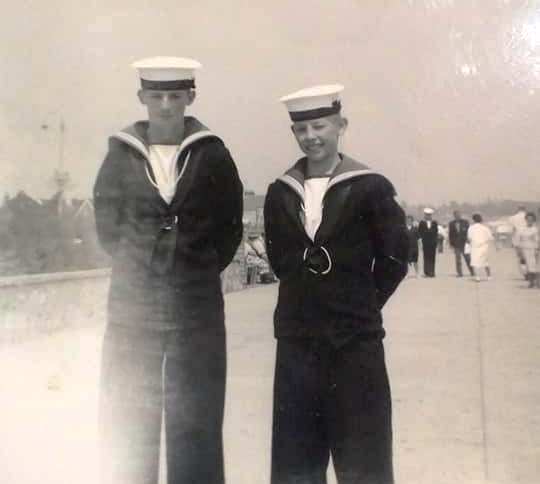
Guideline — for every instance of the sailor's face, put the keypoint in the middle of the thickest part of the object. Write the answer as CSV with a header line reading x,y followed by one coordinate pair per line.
x,y
319,138
166,106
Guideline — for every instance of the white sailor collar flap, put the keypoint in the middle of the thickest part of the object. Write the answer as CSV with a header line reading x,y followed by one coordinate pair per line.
x,y
346,170
136,137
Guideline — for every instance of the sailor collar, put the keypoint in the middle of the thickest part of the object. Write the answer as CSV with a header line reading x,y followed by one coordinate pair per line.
x,y
136,135
345,170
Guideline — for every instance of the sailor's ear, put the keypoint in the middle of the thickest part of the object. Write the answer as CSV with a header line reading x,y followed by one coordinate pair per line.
x,y
192,94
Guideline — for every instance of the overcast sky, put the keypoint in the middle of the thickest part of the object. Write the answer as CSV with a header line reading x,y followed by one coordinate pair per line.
x,y
443,99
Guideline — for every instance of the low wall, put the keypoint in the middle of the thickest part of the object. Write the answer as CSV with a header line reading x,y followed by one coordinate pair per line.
x,y
34,305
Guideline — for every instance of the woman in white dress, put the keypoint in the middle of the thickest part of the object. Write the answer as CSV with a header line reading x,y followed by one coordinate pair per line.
x,y
528,240
480,238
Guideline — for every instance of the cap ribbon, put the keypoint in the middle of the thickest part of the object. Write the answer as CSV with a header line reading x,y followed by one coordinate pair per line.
x,y
315,113
177,85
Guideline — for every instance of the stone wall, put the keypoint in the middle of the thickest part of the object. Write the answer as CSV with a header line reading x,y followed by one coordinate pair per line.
x,y
35,305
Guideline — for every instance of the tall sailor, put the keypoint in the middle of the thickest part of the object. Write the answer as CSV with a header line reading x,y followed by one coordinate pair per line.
x,y
168,203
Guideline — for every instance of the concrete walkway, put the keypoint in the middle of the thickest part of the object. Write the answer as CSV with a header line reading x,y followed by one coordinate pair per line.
x,y
463,359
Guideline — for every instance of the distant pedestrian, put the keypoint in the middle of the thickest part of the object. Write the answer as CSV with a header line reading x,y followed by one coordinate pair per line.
x,y
480,238
442,235
412,233
457,237
428,232
517,221
528,240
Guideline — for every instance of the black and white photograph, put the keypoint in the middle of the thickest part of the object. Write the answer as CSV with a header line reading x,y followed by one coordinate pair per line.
x,y
270,242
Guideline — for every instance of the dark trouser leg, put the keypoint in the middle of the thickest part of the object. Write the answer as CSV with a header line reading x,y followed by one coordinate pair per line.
x,y
468,262
300,451
360,415
429,260
130,406
457,254
195,370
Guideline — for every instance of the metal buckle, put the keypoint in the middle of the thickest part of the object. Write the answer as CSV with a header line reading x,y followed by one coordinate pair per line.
x,y
168,224
328,258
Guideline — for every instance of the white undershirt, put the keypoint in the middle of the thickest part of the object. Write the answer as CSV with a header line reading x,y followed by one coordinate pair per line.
x,y
163,160
314,189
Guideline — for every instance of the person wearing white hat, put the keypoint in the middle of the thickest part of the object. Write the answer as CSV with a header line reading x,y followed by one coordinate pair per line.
x,y
428,231
168,206
337,240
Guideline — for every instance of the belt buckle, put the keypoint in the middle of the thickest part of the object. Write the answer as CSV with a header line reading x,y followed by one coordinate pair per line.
x,y
328,258
169,222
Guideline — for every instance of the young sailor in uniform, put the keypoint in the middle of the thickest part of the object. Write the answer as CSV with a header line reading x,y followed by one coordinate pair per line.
x,y
337,240
168,204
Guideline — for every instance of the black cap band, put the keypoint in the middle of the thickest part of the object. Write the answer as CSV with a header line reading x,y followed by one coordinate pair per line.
x,y
168,85
315,113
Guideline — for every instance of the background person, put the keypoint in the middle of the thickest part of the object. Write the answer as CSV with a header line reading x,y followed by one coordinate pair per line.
x,y
412,234
441,238
518,222
457,236
528,241
429,235
480,238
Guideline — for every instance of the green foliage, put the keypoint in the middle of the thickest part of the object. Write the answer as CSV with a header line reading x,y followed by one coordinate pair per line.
x,y
48,237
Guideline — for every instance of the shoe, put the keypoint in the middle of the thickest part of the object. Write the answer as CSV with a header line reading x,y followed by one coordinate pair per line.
x,y
477,279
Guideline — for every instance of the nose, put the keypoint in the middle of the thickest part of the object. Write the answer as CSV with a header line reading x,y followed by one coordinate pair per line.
x,y
165,102
310,133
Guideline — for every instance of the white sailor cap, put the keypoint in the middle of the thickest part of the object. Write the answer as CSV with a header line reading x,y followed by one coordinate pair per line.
x,y
167,73
313,102
428,211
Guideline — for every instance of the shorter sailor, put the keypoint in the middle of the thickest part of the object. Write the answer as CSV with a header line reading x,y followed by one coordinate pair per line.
x,y
337,240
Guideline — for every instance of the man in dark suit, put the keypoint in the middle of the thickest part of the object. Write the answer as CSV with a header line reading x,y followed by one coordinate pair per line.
x,y
428,232
457,235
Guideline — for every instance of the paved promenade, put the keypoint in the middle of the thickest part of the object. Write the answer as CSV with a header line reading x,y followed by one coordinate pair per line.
x,y
464,363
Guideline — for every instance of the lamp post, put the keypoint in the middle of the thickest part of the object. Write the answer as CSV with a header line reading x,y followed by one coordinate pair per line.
x,y
61,176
